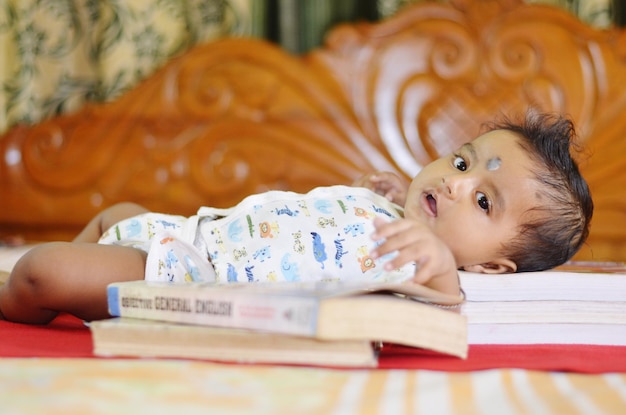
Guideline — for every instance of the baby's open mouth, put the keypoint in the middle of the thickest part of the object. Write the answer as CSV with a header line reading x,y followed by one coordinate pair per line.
x,y
432,204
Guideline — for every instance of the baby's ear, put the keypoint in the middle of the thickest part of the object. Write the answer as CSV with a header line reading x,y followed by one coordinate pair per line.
x,y
500,266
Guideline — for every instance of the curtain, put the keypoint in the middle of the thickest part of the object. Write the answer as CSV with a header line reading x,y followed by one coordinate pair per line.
x,y
57,54
300,25
598,13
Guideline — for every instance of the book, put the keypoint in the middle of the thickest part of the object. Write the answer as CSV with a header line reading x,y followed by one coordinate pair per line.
x,y
585,306
388,312
545,311
544,285
548,333
148,338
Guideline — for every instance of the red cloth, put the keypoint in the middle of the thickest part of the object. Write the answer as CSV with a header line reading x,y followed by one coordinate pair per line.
x,y
555,357
67,336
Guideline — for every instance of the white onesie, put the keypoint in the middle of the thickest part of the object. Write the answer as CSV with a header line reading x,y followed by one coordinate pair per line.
x,y
274,236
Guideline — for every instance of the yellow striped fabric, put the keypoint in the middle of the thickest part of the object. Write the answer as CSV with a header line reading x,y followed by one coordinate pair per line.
x,y
103,386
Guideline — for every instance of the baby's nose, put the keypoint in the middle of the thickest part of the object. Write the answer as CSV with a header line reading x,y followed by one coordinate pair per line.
x,y
452,185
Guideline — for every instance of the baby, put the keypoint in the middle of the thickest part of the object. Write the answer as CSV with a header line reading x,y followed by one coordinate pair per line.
x,y
511,200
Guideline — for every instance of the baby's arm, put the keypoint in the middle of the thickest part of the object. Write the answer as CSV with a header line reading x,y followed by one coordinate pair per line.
x,y
386,184
67,277
415,242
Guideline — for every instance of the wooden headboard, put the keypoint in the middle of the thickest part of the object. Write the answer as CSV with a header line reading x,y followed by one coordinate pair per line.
x,y
239,116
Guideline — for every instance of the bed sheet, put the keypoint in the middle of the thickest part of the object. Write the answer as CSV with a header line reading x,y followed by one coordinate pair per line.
x,y
80,386
163,386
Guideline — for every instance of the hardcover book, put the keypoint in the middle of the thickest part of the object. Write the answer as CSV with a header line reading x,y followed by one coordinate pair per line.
x,y
148,338
407,314
549,307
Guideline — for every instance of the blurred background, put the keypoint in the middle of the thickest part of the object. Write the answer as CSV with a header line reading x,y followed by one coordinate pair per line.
x,y
59,54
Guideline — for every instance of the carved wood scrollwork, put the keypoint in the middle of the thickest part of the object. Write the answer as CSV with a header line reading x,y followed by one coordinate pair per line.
x,y
431,78
240,116
213,126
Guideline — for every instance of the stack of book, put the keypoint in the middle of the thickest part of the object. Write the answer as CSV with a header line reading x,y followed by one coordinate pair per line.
x,y
334,324
325,324
550,307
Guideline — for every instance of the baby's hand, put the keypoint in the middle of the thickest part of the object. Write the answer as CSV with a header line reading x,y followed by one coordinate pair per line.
x,y
415,242
386,184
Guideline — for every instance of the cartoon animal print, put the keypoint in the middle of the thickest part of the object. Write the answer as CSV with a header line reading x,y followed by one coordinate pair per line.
x,y
250,226
319,249
163,270
342,206
234,231
268,229
249,274
354,229
151,230
302,205
359,211
239,253
286,211
262,254
382,210
218,239
160,267
166,224
193,272
289,269
133,228
231,273
367,263
324,222
365,260
171,259
298,246
324,206
339,252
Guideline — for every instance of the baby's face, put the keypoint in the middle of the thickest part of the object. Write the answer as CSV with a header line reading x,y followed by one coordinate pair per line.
x,y
474,199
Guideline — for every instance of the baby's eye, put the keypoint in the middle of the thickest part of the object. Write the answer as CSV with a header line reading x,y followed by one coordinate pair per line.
x,y
459,163
483,202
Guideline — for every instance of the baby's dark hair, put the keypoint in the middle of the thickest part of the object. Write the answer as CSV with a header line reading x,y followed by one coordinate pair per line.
x,y
557,229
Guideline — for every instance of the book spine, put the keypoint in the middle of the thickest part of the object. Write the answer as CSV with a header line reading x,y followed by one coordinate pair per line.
x,y
221,308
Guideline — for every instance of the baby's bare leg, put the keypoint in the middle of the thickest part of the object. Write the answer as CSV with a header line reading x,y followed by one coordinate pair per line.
x,y
107,218
67,277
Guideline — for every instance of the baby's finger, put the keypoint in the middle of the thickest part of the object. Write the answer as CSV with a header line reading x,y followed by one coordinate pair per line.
x,y
397,252
402,258
423,271
385,229
404,243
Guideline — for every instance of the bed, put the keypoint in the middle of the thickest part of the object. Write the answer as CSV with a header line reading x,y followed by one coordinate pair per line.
x,y
238,116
